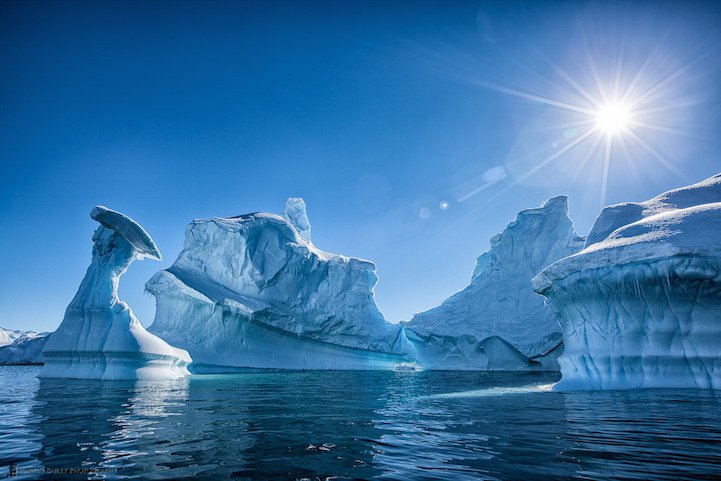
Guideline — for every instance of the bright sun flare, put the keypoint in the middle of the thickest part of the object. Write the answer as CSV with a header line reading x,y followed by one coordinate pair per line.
x,y
613,118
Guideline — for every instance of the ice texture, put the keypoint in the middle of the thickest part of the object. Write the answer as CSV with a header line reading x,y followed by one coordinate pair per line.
x,y
100,337
640,305
498,322
22,347
252,291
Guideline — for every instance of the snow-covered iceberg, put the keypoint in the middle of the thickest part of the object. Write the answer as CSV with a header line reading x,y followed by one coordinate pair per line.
x,y
9,336
498,322
640,305
22,347
253,291
100,337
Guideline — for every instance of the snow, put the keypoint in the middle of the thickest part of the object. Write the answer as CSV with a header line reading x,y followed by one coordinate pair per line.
x,y
8,336
639,305
498,322
25,348
251,291
100,337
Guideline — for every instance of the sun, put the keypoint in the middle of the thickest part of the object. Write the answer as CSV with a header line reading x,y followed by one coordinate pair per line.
x,y
613,118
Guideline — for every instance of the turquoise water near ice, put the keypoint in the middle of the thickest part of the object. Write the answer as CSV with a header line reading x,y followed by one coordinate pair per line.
x,y
353,425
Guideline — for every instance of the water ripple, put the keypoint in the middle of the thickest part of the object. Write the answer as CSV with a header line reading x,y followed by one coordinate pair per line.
x,y
355,425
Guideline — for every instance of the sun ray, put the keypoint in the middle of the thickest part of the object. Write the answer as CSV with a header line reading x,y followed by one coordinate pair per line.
x,y
564,126
639,74
666,130
586,158
623,144
594,72
606,163
536,98
584,93
617,74
657,155
545,162
660,85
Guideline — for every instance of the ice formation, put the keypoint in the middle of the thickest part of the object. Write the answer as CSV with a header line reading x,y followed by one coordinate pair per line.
x,y
8,336
252,291
498,322
640,305
100,338
22,347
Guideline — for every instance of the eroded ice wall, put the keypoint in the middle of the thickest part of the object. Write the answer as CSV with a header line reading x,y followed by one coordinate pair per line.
x,y
640,305
498,322
252,291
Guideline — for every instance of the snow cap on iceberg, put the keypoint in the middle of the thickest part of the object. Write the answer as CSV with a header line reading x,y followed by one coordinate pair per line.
x,y
129,229
683,221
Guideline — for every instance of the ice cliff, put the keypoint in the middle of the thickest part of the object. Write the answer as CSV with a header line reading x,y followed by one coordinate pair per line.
x,y
498,322
640,305
252,291
99,337
22,347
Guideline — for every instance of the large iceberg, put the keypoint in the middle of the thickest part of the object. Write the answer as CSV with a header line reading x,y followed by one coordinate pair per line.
x,y
498,322
99,337
22,347
253,291
640,305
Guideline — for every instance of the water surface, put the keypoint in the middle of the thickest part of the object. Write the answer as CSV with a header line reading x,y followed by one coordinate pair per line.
x,y
354,425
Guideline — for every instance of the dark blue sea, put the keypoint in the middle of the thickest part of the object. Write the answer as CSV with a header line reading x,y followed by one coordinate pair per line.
x,y
352,425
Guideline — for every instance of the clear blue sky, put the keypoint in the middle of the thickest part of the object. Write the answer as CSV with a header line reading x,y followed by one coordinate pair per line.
x,y
374,112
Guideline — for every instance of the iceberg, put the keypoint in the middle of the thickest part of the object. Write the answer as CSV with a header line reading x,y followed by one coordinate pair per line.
x,y
640,305
22,347
100,337
252,291
8,336
498,322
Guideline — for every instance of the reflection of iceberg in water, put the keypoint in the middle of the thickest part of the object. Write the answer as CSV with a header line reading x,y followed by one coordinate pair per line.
x,y
19,438
615,434
124,427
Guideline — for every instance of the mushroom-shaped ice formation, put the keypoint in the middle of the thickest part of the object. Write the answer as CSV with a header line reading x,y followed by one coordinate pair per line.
x,y
100,337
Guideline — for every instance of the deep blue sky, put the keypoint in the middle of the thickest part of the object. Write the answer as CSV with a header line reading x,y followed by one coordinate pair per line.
x,y
374,112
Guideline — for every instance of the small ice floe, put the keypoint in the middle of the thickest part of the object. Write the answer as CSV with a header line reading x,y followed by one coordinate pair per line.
x,y
406,367
321,447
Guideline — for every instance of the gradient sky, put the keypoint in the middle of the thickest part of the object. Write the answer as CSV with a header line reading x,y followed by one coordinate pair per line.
x,y
374,112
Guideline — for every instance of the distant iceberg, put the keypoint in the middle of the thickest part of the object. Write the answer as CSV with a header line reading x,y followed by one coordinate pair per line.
x,y
498,322
253,291
640,305
22,347
99,337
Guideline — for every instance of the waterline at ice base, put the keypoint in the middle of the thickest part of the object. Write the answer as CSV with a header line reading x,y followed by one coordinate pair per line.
x,y
640,305
633,305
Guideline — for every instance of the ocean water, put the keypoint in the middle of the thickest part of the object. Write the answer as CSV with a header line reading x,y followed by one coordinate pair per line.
x,y
352,425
